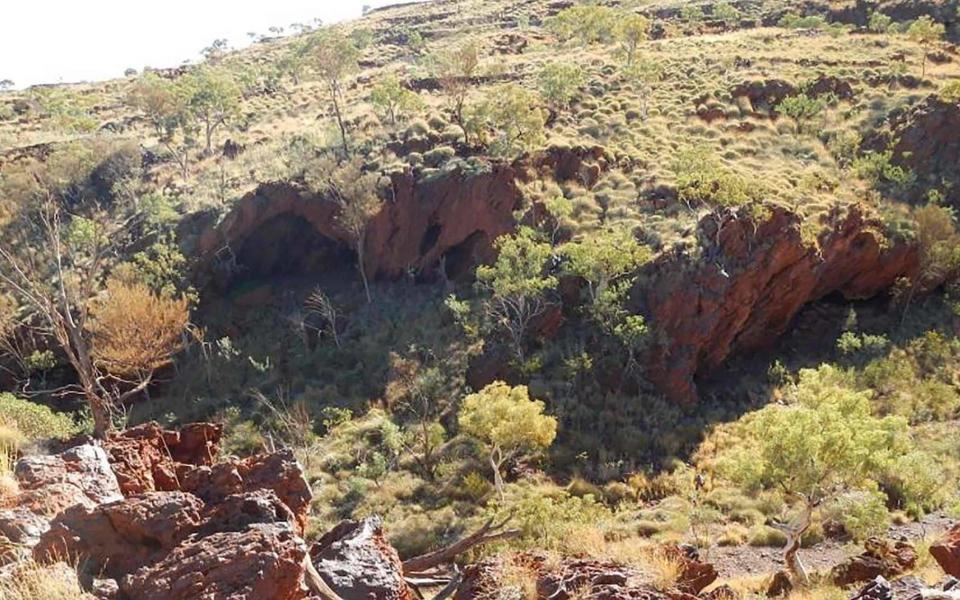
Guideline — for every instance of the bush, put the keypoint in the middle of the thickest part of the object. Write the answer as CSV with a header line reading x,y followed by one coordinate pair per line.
x,y
862,514
438,156
35,421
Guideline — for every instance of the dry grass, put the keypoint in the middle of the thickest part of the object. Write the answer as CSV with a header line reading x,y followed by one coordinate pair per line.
x,y
34,581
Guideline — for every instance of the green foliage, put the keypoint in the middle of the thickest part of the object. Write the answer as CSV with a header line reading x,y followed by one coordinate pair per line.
x,y
393,102
878,169
507,422
549,521
560,82
925,31
950,92
914,483
726,12
212,97
588,23
803,108
631,30
826,438
335,57
506,418
702,179
879,22
691,13
509,119
792,20
862,513
35,421
519,268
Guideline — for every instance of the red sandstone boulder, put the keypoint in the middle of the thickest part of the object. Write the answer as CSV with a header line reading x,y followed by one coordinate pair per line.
x,y
358,563
264,562
947,552
880,558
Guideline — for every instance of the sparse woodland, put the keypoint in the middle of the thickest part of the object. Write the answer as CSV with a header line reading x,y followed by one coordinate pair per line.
x,y
574,282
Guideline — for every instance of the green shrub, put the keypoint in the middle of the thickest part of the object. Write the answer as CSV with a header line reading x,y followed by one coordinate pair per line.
x,y
35,421
862,513
438,156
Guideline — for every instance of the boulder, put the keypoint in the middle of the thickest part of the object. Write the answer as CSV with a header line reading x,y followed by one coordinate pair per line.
x,y
358,563
694,574
264,562
947,551
119,537
77,473
145,457
880,558
22,526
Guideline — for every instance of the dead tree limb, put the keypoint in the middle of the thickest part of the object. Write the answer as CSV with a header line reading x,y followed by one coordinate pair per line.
x,y
316,584
490,532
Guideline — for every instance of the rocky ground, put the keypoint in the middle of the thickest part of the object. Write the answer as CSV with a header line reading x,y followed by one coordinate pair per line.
x,y
153,513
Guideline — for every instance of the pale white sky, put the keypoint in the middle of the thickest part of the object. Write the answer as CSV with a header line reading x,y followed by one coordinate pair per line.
x,y
53,41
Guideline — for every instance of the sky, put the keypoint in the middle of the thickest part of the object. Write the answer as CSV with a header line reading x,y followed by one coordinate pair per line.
x,y
65,41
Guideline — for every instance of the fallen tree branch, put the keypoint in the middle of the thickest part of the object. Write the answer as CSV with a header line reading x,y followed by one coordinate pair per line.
x,y
316,584
488,533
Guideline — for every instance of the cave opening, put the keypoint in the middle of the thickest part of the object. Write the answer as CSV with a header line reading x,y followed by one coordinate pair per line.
x,y
458,261
289,248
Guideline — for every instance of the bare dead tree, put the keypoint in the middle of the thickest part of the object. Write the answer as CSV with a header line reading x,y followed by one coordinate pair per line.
x,y
490,532
320,305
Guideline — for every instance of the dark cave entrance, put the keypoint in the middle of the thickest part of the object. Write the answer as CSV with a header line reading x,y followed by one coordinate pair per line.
x,y
460,260
288,248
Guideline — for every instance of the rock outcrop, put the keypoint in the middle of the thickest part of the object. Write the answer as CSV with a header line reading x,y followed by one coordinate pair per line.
x,y
152,514
742,294
452,218
264,561
926,139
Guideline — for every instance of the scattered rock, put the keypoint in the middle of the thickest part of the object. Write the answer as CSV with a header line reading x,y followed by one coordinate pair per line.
x,y
880,558
878,589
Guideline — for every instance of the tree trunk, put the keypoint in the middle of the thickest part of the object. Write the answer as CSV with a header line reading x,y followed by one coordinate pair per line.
x,y
496,460
362,267
791,551
336,109
102,424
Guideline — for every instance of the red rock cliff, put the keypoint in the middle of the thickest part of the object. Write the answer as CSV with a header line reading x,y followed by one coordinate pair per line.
x,y
743,295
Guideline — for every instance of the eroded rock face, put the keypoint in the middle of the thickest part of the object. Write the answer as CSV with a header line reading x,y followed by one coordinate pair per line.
x,y
454,217
926,139
744,292
358,563
947,552
263,562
